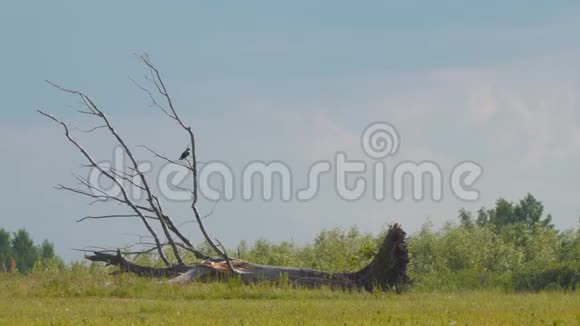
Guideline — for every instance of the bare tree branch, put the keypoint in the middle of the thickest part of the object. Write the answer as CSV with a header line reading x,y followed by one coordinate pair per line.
x,y
112,216
227,258
89,130
152,98
145,186
126,198
155,78
165,158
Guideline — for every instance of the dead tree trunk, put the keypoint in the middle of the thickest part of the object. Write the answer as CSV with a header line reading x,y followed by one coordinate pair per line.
x,y
387,269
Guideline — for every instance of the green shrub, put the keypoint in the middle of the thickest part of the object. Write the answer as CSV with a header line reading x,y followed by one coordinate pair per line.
x,y
561,276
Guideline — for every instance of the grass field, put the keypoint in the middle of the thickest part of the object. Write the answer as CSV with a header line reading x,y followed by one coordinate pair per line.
x,y
99,299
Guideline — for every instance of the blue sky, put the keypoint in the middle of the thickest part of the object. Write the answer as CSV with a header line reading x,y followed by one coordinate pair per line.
x,y
494,82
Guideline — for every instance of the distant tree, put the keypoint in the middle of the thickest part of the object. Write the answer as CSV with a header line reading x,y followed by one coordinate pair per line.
x,y
503,214
47,260
528,211
46,250
465,218
24,251
5,250
482,217
18,252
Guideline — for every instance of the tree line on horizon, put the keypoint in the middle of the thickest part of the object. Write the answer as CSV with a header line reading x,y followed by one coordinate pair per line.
x,y
19,253
510,246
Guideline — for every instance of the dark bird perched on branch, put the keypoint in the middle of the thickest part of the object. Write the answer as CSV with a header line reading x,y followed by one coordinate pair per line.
x,y
185,154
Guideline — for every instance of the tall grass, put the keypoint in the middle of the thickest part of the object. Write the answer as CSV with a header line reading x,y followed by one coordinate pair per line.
x,y
86,295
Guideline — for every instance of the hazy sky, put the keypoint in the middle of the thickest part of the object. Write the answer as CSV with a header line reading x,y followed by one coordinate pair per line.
x,y
495,82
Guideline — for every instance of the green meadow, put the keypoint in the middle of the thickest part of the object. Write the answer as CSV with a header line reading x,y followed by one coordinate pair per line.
x,y
96,298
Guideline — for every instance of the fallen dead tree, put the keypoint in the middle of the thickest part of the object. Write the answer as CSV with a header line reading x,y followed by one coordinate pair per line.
x,y
386,271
